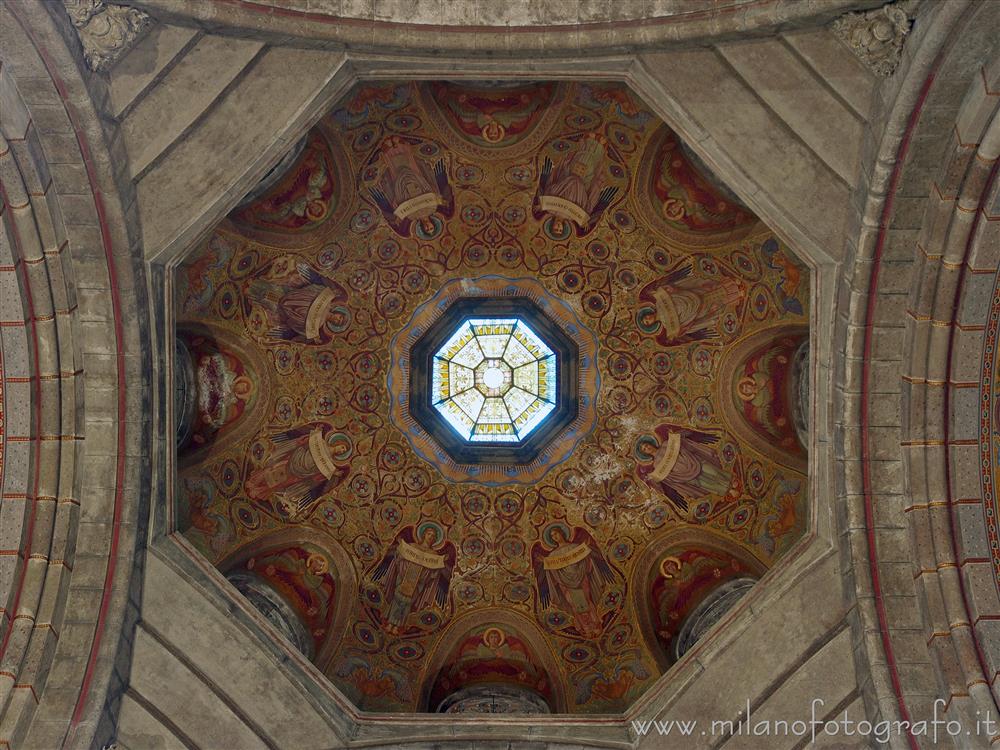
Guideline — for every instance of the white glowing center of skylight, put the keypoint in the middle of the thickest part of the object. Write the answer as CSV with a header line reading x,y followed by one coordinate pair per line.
x,y
493,377
494,380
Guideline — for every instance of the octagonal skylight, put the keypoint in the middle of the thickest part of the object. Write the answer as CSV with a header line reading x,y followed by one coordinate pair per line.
x,y
494,380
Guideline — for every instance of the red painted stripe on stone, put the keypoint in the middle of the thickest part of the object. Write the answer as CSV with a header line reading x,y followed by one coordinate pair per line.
x,y
866,455
82,142
3,410
30,527
866,391
956,303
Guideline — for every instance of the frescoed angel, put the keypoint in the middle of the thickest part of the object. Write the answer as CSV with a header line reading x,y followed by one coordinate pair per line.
x,y
409,192
302,470
772,527
574,193
302,575
572,574
685,465
415,574
686,308
298,302
762,392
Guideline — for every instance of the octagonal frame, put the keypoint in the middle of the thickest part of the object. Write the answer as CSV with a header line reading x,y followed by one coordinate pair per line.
x,y
810,551
421,365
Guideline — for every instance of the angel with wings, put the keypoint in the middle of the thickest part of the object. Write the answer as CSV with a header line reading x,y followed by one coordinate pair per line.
x,y
415,575
685,465
408,191
572,575
573,193
688,308
300,304
302,470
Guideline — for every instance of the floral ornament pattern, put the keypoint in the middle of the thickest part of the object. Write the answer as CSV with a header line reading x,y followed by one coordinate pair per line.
x,y
541,189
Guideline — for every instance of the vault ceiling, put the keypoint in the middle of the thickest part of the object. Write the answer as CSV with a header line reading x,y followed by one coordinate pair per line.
x,y
416,574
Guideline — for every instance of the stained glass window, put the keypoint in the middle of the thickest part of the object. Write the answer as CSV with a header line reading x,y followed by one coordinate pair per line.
x,y
494,380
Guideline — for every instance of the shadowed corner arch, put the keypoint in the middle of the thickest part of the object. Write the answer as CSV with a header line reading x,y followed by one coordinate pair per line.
x,y
748,368
674,552
340,567
669,166
206,340
446,645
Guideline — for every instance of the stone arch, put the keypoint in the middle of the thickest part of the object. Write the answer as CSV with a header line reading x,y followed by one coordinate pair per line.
x,y
671,52
544,26
909,379
684,554
950,425
463,626
74,430
339,562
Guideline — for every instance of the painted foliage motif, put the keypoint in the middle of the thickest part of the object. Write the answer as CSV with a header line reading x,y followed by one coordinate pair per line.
x,y
428,198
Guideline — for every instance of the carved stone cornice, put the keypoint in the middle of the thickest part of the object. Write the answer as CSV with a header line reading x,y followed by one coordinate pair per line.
x,y
106,31
877,36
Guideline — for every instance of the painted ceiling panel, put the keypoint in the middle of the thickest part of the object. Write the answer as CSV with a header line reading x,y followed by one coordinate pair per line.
x,y
417,582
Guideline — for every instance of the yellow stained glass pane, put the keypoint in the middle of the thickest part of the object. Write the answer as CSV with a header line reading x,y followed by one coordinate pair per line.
x,y
547,378
526,378
494,412
460,378
457,418
493,326
533,416
471,402
517,354
456,342
493,346
494,380
469,355
517,401
494,433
